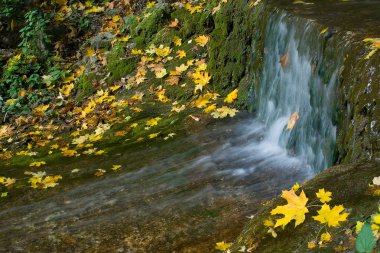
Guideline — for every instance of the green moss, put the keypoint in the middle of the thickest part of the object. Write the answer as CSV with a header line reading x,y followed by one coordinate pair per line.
x,y
152,23
140,41
193,24
118,65
85,87
164,36
236,48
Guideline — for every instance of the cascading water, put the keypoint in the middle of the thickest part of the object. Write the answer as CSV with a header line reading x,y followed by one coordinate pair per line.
x,y
297,77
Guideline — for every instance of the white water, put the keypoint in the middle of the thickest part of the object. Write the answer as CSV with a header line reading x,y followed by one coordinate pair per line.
x,y
304,87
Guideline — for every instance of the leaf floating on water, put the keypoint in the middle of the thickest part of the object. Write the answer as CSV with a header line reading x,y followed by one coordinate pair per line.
x,y
293,120
285,60
324,30
223,112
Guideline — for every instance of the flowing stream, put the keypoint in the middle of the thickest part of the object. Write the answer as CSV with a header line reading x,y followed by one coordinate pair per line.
x,y
187,194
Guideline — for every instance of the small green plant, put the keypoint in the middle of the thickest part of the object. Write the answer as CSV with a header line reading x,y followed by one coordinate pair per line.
x,y
10,8
366,242
34,39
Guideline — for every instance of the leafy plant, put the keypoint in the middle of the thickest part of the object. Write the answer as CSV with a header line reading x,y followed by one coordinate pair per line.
x,y
34,39
366,242
10,8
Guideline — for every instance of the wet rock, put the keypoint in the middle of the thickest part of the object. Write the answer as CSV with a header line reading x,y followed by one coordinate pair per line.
x,y
102,40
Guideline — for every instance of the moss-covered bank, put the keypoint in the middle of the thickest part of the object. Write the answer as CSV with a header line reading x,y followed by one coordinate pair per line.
x,y
349,184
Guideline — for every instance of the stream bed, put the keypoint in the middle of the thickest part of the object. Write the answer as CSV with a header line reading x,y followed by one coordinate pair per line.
x,y
179,196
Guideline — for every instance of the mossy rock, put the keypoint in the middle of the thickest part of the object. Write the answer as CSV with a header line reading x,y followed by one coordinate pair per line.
x,y
237,48
85,87
152,23
349,186
118,65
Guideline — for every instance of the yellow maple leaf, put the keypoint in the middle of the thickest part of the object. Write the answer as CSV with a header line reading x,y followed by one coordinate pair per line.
x,y
202,40
231,97
311,245
181,54
137,52
66,89
153,122
8,181
162,51
89,108
160,73
223,112
116,167
40,110
138,96
223,245
99,152
294,210
203,100
150,4
154,135
50,181
37,164
124,39
95,9
182,68
177,41
68,152
325,237
115,87
324,196
295,187
201,78
331,216
69,78
89,52
210,108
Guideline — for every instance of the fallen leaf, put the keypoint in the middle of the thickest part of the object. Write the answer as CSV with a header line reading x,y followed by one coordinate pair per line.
x,y
331,216
231,97
295,209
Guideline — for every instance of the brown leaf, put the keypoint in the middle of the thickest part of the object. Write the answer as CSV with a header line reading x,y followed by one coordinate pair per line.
x,y
285,60
172,80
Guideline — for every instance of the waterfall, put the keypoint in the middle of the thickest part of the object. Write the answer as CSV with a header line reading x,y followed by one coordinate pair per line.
x,y
305,82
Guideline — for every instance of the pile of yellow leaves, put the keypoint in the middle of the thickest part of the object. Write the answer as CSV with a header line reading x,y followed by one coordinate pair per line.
x,y
40,180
